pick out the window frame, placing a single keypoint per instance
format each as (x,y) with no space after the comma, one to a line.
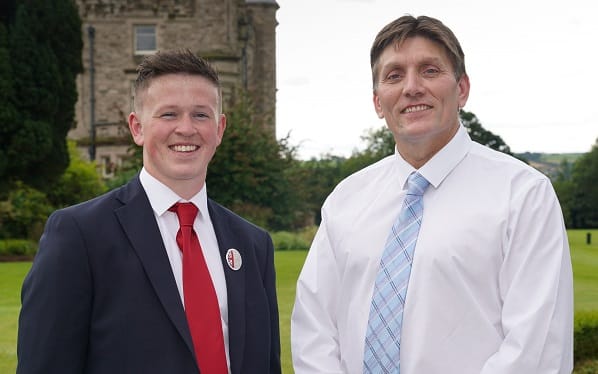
(137,34)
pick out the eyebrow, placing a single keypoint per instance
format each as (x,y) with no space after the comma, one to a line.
(425,61)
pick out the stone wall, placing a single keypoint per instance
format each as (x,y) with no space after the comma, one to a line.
(214,29)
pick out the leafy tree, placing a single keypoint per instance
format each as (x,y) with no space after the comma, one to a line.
(328,171)
(78,183)
(44,48)
(563,186)
(313,181)
(479,134)
(583,192)
(248,171)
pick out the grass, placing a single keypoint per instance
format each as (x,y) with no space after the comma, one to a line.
(288,264)
(11,277)
(585,269)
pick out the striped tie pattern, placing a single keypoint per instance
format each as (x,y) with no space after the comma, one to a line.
(383,337)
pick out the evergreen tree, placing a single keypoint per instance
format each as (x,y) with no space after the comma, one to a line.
(44,47)
(8,113)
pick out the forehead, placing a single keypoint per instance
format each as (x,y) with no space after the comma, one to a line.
(170,87)
(182,80)
(416,50)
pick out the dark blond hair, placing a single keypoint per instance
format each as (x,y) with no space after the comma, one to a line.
(408,27)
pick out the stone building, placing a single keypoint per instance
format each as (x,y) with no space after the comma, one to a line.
(236,36)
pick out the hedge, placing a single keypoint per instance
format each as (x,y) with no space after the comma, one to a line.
(585,339)
(17,248)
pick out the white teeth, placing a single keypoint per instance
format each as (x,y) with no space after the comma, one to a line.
(415,108)
(184,148)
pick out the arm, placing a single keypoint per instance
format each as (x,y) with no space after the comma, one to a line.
(314,336)
(56,302)
(537,289)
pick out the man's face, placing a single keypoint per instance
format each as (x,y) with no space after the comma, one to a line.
(179,125)
(418,95)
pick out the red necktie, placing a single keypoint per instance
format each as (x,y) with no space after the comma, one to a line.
(201,303)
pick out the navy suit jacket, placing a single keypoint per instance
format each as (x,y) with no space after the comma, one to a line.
(101,296)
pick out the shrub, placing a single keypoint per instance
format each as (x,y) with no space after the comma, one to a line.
(17,247)
(586,367)
(585,339)
(78,183)
(284,240)
(24,213)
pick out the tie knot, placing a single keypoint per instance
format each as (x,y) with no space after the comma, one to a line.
(416,184)
(186,213)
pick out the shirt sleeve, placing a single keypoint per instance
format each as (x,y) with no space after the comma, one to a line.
(314,334)
(536,286)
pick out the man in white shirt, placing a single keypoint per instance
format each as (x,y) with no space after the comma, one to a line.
(490,286)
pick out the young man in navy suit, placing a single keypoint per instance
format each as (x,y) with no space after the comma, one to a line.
(105,293)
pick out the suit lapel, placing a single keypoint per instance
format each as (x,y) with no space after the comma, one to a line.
(137,219)
(235,283)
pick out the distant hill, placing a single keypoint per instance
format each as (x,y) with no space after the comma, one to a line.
(549,163)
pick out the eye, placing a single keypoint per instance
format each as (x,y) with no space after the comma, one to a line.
(431,71)
(393,76)
(200,115)
(168,115)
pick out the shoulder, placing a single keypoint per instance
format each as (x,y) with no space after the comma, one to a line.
(502,163)
(502,173)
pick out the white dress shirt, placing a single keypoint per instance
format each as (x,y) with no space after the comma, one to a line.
(161,199)
(491,284)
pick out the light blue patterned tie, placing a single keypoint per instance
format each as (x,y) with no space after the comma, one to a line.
(383,337)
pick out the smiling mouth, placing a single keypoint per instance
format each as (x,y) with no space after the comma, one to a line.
(184,148)
(416,108)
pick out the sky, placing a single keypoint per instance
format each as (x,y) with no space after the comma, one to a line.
(532,64)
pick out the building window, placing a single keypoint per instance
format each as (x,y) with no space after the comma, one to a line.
(145,39)
(107,166)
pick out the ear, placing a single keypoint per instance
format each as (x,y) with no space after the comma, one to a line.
(221,127)
(136,128)
(377,106)
(463,87)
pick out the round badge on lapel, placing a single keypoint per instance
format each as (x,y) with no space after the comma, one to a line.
(233,259)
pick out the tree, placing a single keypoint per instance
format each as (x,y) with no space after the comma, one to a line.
(584,194)
(78,183)
(313,181)
(8,112)
(563,186)
(320,176)
(380,142)
(44,45)
(479,134)
(249,170)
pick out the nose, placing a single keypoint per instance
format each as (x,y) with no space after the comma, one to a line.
(412,84)
(185,126)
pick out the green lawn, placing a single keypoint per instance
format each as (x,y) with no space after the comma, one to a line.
(288,265)
(585,269)
(11,277)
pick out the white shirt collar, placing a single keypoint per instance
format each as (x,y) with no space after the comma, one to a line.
(442,163)
(161,197)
